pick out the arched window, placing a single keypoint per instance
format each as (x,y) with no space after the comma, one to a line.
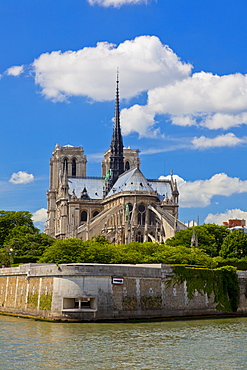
(84,216)
(95,213)
(139,237)
(73,167)
(141,214)
(127,166)
(65,165)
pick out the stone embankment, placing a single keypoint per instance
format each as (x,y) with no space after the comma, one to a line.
(97,292)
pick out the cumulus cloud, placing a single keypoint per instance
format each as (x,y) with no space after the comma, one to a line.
(144,64)
(138,119)
(40,215)
(21,177)
(229,140)
(203,99)
(199,193)
(219,218)
(15,71)
(116,3)
(39,218)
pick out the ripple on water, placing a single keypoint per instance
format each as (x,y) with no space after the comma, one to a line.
(181,345)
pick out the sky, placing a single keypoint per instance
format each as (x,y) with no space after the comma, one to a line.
(183,88)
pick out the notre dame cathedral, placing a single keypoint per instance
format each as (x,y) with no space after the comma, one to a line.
(122,204)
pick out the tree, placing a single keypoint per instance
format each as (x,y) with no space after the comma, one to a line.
(98,250)
(234,245)
(63,251)
(12,219)
(29,244)
(210,238)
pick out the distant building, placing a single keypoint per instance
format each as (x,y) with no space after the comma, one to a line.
(122,204)
(234,223)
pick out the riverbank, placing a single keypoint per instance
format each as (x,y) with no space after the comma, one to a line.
(105,293)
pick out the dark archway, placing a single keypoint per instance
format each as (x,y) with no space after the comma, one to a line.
(74,168)
(127,166)
(84,216)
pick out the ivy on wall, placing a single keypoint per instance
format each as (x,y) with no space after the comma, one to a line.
(33,300)
(45,302)
(222,282)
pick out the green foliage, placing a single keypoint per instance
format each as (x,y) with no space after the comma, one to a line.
(32,300)
(4,258)
(63,251)
(45,302)
(99,250)
(20,240)
(240,264)
(182,255)
(11,219)
(234,245)
(30,244)
(210,238)
(222,282)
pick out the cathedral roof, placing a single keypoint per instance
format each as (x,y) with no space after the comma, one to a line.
(162,187)
(93,186)
(132,180)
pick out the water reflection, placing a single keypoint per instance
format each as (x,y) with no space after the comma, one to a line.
(208,344)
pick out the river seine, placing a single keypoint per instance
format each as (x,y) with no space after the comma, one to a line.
(199,344)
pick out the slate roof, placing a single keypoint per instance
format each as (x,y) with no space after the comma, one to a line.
(163,188)
(94,186)
(132,180)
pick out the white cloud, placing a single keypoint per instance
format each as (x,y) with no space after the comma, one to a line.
(21,177)
(229,140)
(199,193)
(144,63)
(15,71)
(224,121)
(116,3)
(39,218)
(40,215)
(203,99)
(219,218)
(138,119)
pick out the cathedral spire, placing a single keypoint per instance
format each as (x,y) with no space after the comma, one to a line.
(116,157)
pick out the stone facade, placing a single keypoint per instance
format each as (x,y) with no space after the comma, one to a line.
(97,292)
(122,204)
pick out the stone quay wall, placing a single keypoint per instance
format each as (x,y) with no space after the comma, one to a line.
(97,292)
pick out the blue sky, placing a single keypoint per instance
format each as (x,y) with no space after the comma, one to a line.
(183,88)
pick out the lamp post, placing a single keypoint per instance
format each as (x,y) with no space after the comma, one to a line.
(11,254)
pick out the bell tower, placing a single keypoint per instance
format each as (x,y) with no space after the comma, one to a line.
(66,161)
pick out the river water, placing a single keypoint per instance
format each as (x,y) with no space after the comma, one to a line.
(199,344)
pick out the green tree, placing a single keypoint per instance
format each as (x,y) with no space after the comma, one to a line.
(98,250)
(12,219)
(63,251)
(210,238)
(29,244)
(234,245)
